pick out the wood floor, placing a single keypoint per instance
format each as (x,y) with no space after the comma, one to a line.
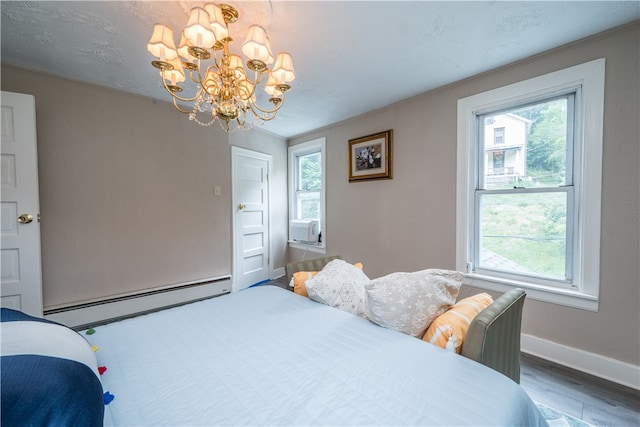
(591,399)
(594,400)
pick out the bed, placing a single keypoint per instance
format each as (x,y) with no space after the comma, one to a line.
(265,356)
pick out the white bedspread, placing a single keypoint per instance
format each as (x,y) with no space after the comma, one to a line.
(265,356)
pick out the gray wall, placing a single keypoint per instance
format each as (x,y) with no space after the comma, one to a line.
(126,190)
(408,223)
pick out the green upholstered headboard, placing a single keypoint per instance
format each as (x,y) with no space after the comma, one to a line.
(493,338)
(310,265)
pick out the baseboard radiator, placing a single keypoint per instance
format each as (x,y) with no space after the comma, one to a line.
(110,309)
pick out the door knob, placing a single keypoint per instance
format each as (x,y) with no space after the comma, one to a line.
(25,218)
(241,206)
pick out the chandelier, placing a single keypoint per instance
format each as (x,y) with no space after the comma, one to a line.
(225,91)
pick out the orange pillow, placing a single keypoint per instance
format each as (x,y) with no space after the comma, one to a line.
(300,277)
(455,322)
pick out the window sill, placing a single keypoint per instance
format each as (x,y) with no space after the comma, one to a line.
(537,292)
(311,247)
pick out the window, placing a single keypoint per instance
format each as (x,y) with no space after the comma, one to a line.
(528,211)
(498,160)
(307,186)
(523,219)
(498,135)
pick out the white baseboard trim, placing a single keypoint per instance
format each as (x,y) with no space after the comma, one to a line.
(95,313)
(277,273)
(591,363)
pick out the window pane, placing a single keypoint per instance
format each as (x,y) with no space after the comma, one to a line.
(498,136)
(308,205)
(309,172)
(524,233)
(527,146)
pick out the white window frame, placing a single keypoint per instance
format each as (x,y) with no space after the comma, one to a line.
(589,77)
(305,148)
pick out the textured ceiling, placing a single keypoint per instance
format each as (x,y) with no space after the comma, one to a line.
(350,57)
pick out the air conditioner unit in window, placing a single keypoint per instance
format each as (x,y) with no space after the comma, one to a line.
(304,230)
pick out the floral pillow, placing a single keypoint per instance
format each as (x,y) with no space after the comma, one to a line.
(300,278)
(339,284)
(408,302)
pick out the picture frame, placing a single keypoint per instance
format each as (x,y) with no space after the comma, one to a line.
(370,157)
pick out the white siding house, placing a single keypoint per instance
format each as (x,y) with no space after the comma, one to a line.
(505,147)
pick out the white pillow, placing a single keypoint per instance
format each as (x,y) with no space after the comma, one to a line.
(341,285)
(409,302)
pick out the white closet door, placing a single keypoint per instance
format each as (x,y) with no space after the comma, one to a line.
(21,278)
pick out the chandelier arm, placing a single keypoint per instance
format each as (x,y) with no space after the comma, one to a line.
(253,86)
(257,79)
(199,67)
(175,104)
(273,110)
(264,110)
(191,75)
(265,117)
(202,81)
(214,57)
(173,94)
(199,79)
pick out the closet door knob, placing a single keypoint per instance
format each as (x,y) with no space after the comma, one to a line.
(25,219)
(241,206)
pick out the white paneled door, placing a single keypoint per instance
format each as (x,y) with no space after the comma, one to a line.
(251,217)
(21,278)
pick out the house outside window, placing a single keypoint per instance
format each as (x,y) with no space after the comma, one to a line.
(529,179)
(307,187)
(505,158)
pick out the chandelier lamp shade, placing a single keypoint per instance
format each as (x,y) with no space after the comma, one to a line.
(224,90)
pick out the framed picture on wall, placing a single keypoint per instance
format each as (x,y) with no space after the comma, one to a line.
(370,157)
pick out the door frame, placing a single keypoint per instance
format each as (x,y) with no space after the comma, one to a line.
(235,151)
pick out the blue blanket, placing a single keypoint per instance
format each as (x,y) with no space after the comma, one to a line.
(48,374)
